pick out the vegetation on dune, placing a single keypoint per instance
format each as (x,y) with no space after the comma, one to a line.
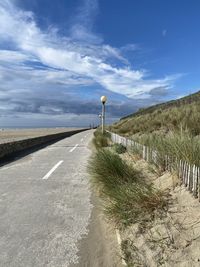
(172,128)
(101,140)
(178,145)
(192,98)
(162,119)
(119,148)
(135,202)
(109,169)
(129,198)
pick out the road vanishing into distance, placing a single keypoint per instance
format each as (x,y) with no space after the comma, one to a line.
(47,214)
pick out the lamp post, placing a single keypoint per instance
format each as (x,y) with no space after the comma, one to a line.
(100,118)
(103,101)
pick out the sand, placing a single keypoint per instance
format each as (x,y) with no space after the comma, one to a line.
(172,240)
(10,135)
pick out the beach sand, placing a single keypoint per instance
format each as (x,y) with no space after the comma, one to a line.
(10,135)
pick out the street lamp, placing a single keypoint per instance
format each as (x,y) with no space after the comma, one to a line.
(103,101)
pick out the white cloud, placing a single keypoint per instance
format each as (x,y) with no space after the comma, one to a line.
(13,56)
(87,60)
(130,47)
(82,23)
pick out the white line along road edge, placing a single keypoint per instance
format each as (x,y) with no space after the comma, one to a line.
(52,170)
(71,150)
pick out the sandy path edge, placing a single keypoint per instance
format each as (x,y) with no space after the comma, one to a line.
(100,247)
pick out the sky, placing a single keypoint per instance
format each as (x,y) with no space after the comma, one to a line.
(57,58)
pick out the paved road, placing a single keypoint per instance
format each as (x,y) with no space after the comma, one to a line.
(45,205)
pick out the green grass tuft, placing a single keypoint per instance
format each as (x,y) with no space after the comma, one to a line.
(119,148)
(129,198)
(110,170)
(101,140)
(135,203)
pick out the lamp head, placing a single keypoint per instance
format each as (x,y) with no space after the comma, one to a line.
(103,99)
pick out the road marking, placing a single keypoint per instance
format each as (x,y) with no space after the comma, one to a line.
(71,150)
(119,242)
(82,140)
(52,170)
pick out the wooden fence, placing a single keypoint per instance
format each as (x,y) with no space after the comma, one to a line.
(189,174)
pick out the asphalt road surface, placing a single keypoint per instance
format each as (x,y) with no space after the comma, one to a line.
(46,211)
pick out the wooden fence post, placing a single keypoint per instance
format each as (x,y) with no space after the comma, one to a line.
(198,182)
(194,187)
(143,152)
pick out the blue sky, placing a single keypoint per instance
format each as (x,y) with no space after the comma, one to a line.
(58,57)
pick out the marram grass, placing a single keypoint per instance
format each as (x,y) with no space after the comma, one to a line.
(101,140)
(128,197)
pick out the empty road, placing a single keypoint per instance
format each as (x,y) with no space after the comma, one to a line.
(46,211)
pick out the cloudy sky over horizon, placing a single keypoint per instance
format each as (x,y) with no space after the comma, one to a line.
(58,57)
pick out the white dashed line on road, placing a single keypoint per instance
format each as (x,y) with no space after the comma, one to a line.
(82,140)
(71,150)
(52,170)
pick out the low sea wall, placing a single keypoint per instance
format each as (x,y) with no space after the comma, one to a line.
(11,148)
